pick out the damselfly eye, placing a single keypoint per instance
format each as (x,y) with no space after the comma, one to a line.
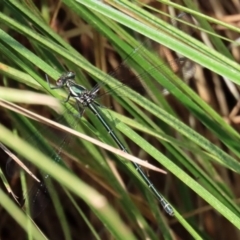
(71,75)
(59,82)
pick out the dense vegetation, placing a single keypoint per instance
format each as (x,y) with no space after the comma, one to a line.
(176,107)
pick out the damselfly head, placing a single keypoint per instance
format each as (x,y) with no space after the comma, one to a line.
(70,75)
(65,77)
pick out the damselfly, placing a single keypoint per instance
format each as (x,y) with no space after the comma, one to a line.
(86,99)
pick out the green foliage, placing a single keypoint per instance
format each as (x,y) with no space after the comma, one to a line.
(152,117)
